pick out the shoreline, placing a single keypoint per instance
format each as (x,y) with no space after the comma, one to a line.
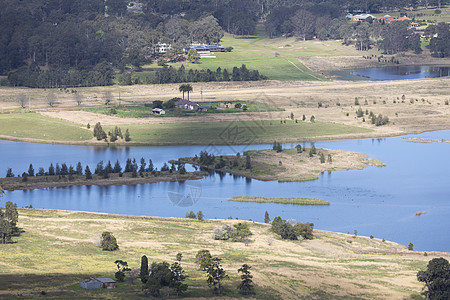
(287,165)
(269,141)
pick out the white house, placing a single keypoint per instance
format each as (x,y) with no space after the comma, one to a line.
(158,111)
(162,48)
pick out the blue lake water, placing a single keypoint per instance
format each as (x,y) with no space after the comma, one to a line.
(375,201)
(393,73)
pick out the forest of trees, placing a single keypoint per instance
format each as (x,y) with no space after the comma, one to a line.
(54,43)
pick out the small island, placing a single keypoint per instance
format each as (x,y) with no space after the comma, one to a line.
(294,201)
(426,141)
(284,165)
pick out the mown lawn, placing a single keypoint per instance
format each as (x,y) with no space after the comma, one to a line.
(276,58)
(35,126)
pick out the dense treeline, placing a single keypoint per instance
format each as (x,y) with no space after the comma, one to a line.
(324,18)
(54,43)
(101,169)
(172,75)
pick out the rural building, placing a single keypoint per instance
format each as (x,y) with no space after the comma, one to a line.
(162,48)
(361,17)
(226,104)
(107,283)
(158,111)
(91,283)
(388,19)
(186,104)
(98,283)
(206,49)
(404,18)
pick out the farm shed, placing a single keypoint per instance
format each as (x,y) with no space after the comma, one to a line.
(98,283)
(107,283)
(91,283)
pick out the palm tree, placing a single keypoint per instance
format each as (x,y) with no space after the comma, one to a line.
(185,88)
(189,89)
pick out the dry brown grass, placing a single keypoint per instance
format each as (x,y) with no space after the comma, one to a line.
(337,98)
(333,265)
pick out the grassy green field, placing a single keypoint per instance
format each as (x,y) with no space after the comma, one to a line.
(146,111)
(295,201)
(35,126)
(238,132)
(59,248)
(276,58)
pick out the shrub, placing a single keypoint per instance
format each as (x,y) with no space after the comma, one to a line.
(109,242)
(224,232)
(305,230)
(284,229)
(242,232)
(191,215)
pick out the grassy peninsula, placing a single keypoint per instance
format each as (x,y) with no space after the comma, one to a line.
(287,165)
(59,248)
(127,178)
(294,201)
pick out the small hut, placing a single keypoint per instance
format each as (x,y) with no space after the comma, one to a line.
(107,283)
(98,283)
(91,283)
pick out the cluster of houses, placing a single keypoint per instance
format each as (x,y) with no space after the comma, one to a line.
(182,104)
(386,19)
(189,105)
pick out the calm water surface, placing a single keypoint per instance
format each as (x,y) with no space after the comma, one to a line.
(375,201)
(393,73)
